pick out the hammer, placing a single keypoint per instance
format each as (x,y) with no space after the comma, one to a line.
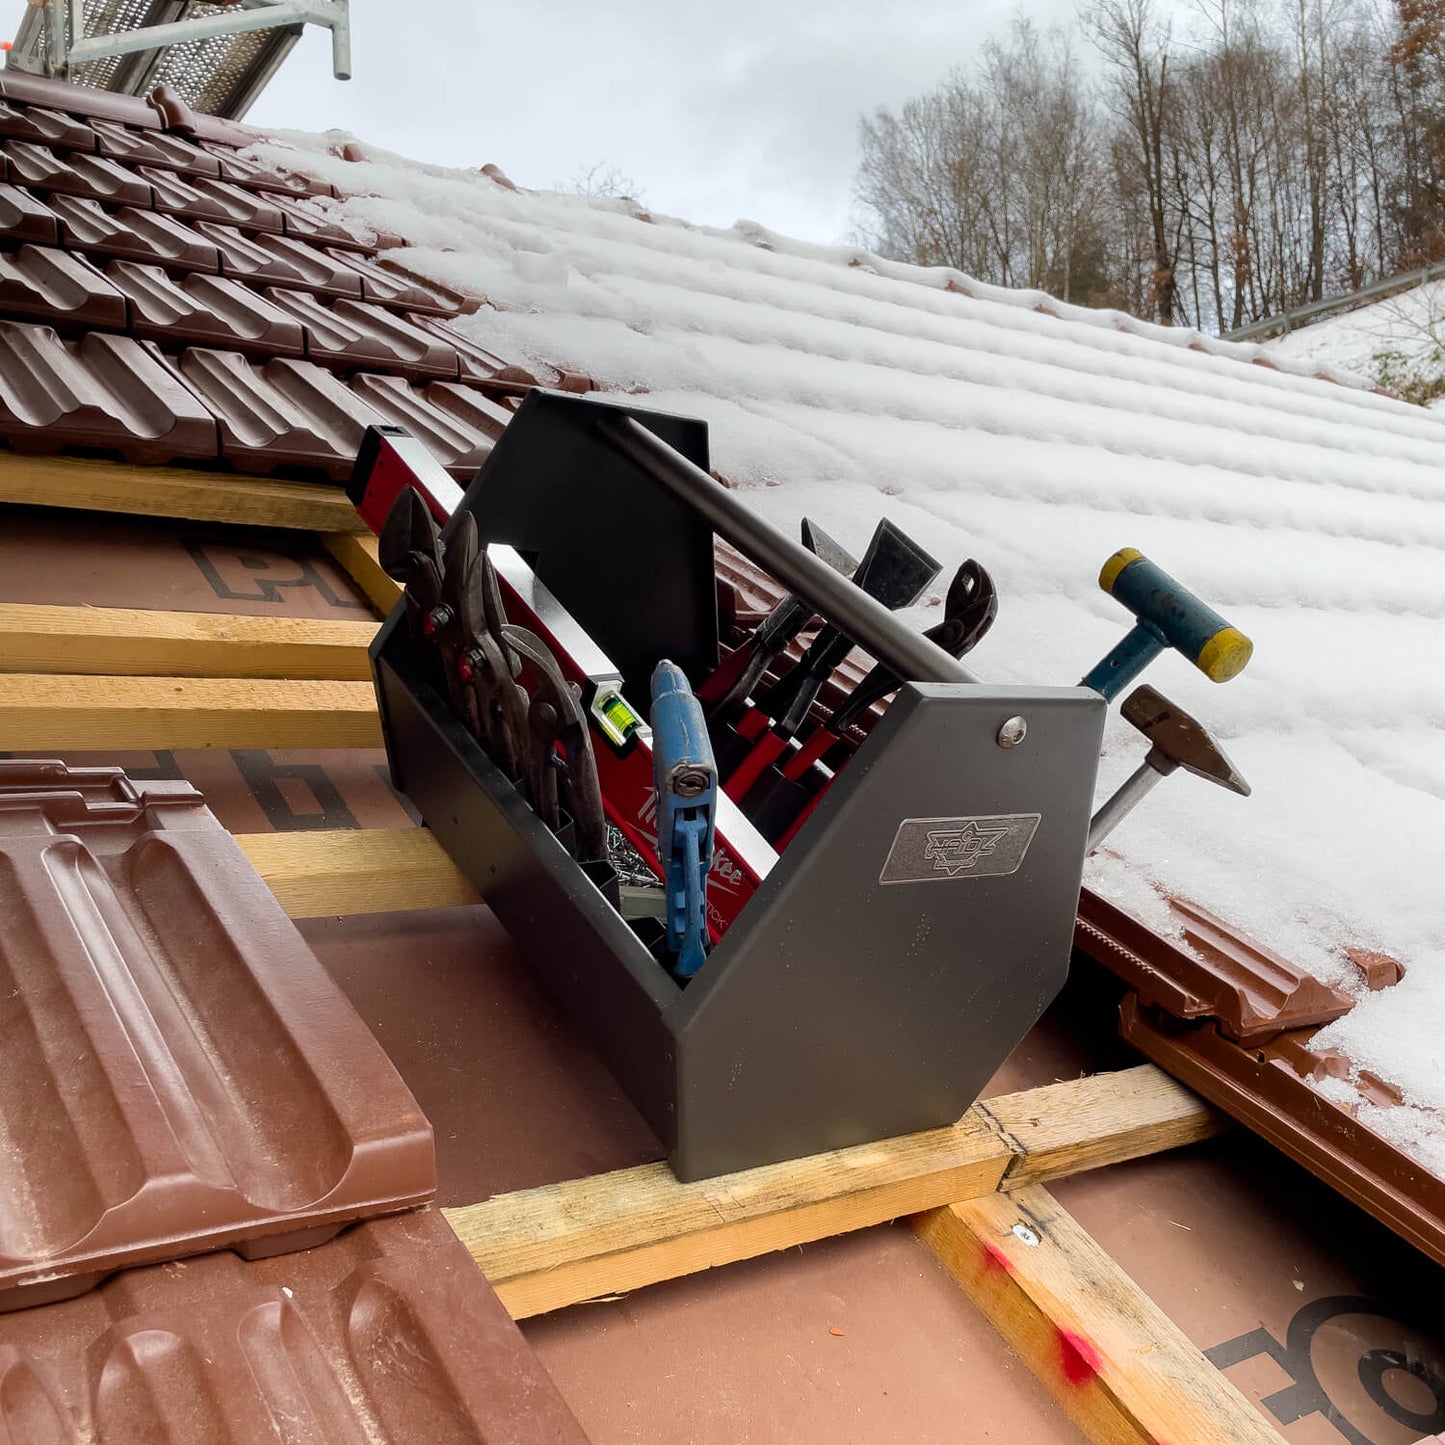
(1176,741)
(1168,616)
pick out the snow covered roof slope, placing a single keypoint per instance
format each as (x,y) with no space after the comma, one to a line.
(1040,438)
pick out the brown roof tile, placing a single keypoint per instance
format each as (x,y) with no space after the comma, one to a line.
(20,87)
(281,261)
(388,1334)
(308,220)
(103,391)
(257,178)
(152,148)
(179,1071)
(23,218)
(203,198)
(136,235)
(45,283)
(74,173)
(285,413)
(1217,973)
(41,126)
(355,335)
(204,310)
(455,440)
(391,287)
(475,409)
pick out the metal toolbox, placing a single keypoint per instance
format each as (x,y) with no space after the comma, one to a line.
(908,937)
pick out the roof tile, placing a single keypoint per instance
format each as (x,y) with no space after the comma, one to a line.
(23,218)
(353,335)
(388,1333)
(204,310)
(54,286)
(19,87)
(281,261)
(42,126)
(137,235)
(257,178)
(391,287)
(180,1073)
(477,363)
(103,391)
(74,174)
(285,413)
(308,220)
(152,148)
(455,438)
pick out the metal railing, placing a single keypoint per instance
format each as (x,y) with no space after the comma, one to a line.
(1285,321)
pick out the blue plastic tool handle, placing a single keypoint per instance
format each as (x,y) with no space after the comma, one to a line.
(1169,615)
(685,773)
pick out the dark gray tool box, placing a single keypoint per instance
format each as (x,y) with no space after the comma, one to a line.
(905,941)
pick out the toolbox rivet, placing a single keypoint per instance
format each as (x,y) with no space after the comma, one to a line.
(1012,733)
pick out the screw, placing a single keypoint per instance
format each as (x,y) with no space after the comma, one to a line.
(690,783)
(1012,733)
(1025,1235)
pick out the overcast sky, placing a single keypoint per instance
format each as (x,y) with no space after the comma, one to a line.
(719,113)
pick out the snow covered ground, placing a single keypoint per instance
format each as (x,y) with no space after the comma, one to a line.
(1398,342)
(1040,438)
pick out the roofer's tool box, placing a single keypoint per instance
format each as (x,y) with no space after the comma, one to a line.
(862,979)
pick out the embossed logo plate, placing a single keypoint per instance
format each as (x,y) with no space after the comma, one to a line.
(934,850)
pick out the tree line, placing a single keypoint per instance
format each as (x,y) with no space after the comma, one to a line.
(1208,172)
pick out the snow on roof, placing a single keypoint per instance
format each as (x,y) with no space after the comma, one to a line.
(1040,438)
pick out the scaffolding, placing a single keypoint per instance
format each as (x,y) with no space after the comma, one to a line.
(218,55)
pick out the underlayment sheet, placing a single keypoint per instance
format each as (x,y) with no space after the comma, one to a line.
(1313,1310)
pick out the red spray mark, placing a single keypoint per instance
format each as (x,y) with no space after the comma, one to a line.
(995,1259)
(1078,1359)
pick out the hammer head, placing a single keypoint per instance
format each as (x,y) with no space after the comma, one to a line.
(1177,740)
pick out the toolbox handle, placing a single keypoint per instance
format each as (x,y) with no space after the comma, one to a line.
(907,654)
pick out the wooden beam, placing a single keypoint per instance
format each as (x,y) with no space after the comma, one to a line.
(1124,1372)
(357,555)
(315,874)
(40,713)
(546,1248)
(101,486)
(381,870)
(129,642)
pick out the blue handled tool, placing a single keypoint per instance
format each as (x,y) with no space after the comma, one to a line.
(686,778)
(1168,616)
